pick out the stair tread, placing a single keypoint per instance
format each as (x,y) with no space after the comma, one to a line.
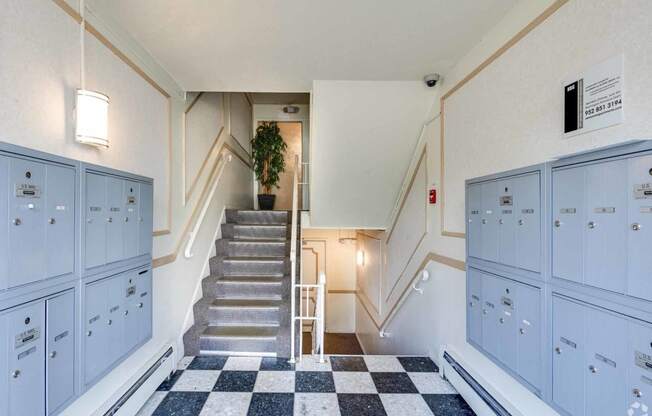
(261,259)
(256,241)
(246,303)
(261,279)
(240,331)
(262,224)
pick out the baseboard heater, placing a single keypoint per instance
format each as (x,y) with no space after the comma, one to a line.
(480,391)
(123,399)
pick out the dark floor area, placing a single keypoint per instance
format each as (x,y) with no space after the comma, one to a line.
(335,344)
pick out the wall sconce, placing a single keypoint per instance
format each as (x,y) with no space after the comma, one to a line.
(359,258)
(92,118)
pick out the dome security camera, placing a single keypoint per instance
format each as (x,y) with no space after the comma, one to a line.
(431,80)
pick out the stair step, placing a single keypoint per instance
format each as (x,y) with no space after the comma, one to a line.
(257,248)
(246,303)
(251,280)
(248,286)
(259,339)
(257,217)
(256,231)
(264,311)
(274,266)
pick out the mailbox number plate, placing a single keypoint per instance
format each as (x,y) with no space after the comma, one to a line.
(506,201)
(25,190)
(643,360)
(643,191)
(28,336)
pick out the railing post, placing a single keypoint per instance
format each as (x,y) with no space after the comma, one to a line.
(293,266)
(322,317)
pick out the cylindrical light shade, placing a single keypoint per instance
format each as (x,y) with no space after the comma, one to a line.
(92,124)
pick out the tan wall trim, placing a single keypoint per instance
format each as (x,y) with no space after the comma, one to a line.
(497,54)
(194,101)
(170,258)
(203,164)
(63,5)
(342,291)
(432,256)
(422,157)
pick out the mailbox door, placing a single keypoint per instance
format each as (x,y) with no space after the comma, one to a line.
(26,357)
(130,218)
(60,213)
(145,220)
(60,359)
(114,229)
(95,212)
(639,273)
(27,217)
(605,260)
(568,223)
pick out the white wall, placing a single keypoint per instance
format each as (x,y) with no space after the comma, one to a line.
(39,64)
(241,112)
(509,116)
(365,130)
(337,260)
(204,120)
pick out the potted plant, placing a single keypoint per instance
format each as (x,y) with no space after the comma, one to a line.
(267,149)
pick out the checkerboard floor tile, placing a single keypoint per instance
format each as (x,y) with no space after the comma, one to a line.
(341,386)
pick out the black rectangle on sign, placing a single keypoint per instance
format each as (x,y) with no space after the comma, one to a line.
(573,106)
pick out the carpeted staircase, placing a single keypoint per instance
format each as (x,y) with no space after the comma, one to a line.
(246,299)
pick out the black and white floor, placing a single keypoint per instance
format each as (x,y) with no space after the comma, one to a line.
(343,385)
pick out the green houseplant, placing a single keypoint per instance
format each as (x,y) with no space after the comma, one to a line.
(267,148)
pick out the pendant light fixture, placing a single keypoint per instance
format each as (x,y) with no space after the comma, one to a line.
(92,107)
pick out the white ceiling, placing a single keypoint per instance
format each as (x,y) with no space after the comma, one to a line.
(283,45)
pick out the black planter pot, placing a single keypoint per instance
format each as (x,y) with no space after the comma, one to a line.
(266,202)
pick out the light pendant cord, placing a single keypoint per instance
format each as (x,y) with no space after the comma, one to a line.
(82,30)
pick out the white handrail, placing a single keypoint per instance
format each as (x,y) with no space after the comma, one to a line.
(225,157)
(293,256)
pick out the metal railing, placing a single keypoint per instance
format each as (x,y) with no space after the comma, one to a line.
(224,157)
(304,313)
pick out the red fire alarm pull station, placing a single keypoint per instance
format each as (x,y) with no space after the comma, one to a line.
(432,196)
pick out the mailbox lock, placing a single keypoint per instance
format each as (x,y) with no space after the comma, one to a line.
(501,222)
(140,305)
(53,354)
(521,222)
(110,322)
(522,331)
(28,174)
(593,369)
(501,320)
(89,333)
(126,219)
(15,373)
(592,224)
(484,221)
(558,350)
(637,393)
(109,219)
(484,311)
(471,304)
(126,313)
(507,290)
(17,221)
(557,223)
(636,226)
(51,221)
(28,320)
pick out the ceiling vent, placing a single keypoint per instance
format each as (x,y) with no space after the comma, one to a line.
(291,109)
